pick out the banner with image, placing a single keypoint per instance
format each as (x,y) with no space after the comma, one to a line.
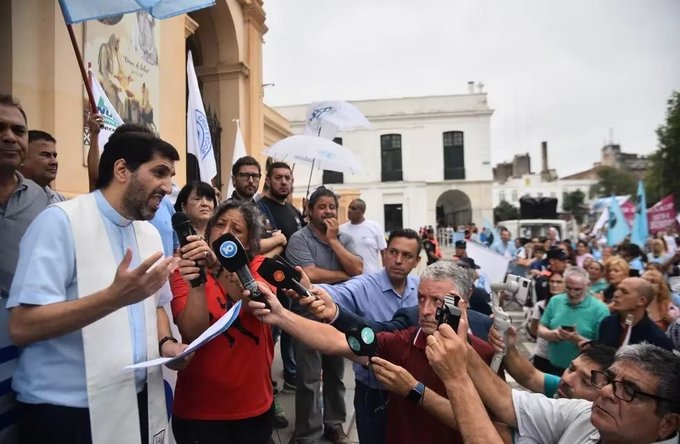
(124,53)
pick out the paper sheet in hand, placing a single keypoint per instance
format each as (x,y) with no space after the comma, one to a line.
(214,330)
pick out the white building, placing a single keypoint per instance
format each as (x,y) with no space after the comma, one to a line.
(423,159)
(533,185)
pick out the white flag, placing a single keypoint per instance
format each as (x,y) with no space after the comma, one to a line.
(239,151)
(198,132)
(111,119)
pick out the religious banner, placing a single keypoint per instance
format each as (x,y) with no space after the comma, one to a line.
(124,53)
(661,216)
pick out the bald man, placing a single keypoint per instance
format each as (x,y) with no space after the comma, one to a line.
(368,236)
(630,301)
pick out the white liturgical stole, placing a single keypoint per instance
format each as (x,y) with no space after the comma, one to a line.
(111,392)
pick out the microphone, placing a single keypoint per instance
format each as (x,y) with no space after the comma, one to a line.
(511,286)
(233,257)
(182,226)
(280,275)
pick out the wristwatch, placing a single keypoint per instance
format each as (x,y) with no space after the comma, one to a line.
(416,393)
(163,341)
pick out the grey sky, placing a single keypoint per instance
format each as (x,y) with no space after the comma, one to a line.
(561,71)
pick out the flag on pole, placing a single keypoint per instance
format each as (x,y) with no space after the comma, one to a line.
(617,227)
(111,119)
(239,151)
(199,142)
(76,11)
(640,224)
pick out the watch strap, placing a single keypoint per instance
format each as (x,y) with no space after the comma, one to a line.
(416,393)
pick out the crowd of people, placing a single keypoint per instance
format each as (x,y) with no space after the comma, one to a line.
(86,283)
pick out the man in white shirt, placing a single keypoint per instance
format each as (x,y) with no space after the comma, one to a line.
(369,238)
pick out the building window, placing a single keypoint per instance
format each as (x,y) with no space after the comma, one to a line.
(553,194)
(540,194)
(394,219)
(331,177)
(454,155)
(390,151)
(514,196)
(501,196)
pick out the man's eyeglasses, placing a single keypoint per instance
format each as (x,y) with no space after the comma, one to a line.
(574,289)
(622,389)
(254,176)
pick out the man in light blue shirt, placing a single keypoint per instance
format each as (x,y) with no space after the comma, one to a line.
(376,297)
(505,247)
(48,314)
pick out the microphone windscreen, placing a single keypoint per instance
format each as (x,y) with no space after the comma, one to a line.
(179,219)
(230,252)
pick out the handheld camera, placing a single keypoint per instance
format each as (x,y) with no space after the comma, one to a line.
(449,312)
(524,288)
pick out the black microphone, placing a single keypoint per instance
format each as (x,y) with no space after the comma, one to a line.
(233,257)
(281,275)
(182,226)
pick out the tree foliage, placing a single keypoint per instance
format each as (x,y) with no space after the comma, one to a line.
(574,203)
(505,211)
(663,176)
(613,181)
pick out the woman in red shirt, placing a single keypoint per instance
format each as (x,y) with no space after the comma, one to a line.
(225,394)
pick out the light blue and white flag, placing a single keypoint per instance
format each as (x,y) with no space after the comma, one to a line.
(640,224)
(617,226)
(76,11)
(199,142)
(111,119)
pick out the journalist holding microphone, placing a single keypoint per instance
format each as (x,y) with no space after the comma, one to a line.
(225,394)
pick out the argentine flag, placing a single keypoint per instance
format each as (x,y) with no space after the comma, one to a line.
(640,225)
(76,11)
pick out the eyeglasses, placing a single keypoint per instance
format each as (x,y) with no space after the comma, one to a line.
(622,389)
(574,289)
(247,176)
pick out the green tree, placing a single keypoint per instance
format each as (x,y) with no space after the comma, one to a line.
(663,176)
(613,181)
(505,211)
(574,203)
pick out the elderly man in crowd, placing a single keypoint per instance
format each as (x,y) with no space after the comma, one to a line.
(571,318)
(630,324)
(638,400)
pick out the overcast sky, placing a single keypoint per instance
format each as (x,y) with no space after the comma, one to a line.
(561,71)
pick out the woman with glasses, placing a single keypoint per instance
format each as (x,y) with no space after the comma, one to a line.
(198,201)
(541,359)
(225,394)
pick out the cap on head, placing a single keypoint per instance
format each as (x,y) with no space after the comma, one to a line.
(557,253)
(468,262)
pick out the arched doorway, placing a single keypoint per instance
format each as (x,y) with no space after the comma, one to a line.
(453,208)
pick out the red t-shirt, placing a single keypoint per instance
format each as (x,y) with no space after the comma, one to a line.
(407,422)
(229,378)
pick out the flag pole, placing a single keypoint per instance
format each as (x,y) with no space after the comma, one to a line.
(81,65)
